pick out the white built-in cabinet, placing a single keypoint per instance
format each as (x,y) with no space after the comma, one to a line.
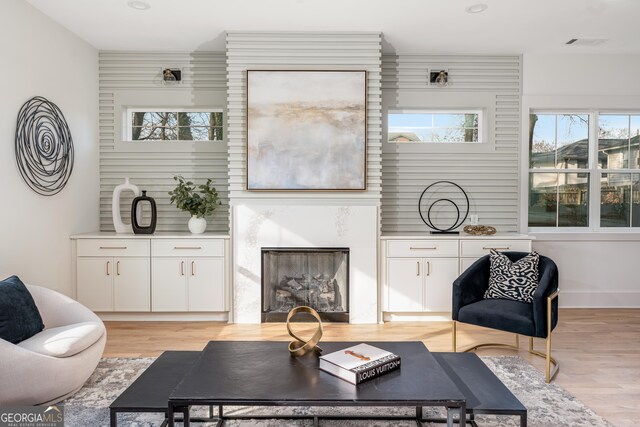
(158,273)
(418,272)
(184,272)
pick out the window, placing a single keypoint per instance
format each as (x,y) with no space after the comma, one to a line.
(618,153)
(174,125)
(435,126)
(565,159)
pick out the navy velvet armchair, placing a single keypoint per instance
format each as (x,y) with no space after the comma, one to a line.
(535,320)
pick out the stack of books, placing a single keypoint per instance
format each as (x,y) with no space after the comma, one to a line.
(360,363)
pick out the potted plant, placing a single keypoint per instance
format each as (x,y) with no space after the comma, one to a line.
(199,200)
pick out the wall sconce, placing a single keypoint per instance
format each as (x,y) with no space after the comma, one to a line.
(171,75)
(439,78)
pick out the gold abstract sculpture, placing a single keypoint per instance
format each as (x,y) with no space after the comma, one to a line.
(299,346)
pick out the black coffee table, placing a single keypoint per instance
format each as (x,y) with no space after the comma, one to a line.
(230,373)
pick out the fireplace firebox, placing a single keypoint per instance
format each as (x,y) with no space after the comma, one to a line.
(315,277)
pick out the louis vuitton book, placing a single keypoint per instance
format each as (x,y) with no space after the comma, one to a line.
(359,363)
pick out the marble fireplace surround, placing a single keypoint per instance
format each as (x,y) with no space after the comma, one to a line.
(293,225)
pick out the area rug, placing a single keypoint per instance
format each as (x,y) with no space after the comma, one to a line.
(548,404)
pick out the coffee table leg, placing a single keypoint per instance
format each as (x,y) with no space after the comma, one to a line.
(463,415)
(419,413)
(187,417)
(316,422)
(113,418)
(449,417)
(170,416)
(523,420)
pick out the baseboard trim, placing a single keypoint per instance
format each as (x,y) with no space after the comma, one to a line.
(415,317)
(572,299)
(164,317)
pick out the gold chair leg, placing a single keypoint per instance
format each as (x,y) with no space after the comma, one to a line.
(453,336)
(549,360)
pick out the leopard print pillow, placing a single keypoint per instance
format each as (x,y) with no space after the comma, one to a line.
(516,281)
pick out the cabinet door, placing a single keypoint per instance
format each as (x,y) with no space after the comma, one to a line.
(169,284)
(206,284)
(405,285)
(440,274)
(131,284)
(95,283)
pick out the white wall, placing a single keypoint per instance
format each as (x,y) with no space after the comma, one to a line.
(596,269)
(39,57)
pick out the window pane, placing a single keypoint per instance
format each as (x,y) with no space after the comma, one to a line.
(634,159)
(172,126)
(573,200)
(572,141)
(200,133)
(613,141)
(216,134)
(433,127)
(543,199)
(185,133)
(635,207)
(542,143)
(615,193)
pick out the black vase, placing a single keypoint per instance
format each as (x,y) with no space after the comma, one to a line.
(137,228)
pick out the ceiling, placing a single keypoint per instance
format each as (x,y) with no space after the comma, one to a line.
(409,26)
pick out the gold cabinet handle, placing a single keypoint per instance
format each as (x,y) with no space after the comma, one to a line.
(193,268)
(113,247)
(108,272)
(486,248)
(424,248)
(182,268)
(117,268)
(188,247)
(428,268)
(417,268)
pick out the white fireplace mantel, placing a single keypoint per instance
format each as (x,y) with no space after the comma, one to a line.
(258,225)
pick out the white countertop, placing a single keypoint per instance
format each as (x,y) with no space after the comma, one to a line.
(158,235)
(462,235)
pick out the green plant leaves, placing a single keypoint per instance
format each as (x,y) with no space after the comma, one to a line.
(200,200)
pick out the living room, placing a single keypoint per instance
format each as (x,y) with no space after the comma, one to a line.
(346,144)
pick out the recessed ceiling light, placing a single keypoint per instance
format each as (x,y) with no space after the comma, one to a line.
(139,5)
(476,8)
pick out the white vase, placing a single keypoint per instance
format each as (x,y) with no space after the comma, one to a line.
(118,225)
(197,225)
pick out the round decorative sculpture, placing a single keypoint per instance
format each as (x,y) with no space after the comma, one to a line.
(432,199)
(300,347)
(479,230)
(44,147)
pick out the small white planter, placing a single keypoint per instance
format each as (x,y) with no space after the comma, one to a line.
(197,225)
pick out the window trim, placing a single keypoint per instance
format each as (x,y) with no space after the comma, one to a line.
(128,124)
(594,172)
(482,136)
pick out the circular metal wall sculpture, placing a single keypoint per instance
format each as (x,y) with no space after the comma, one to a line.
(432,199)
(44,147)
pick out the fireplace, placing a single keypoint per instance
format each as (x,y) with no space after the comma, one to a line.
(315,277)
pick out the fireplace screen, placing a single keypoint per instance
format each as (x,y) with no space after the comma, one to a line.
(315,277)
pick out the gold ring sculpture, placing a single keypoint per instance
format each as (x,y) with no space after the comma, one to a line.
(299,346)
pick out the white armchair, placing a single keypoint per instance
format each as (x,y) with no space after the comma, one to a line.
(56,362)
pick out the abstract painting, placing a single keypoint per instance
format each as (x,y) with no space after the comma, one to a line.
(306,130)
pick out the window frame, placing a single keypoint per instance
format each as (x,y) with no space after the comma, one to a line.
(128,124)
(594,173)
(482,136)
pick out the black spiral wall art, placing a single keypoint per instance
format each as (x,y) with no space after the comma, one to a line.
(44,147)
(431,197)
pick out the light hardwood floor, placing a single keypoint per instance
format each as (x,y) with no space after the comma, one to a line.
(598,349)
